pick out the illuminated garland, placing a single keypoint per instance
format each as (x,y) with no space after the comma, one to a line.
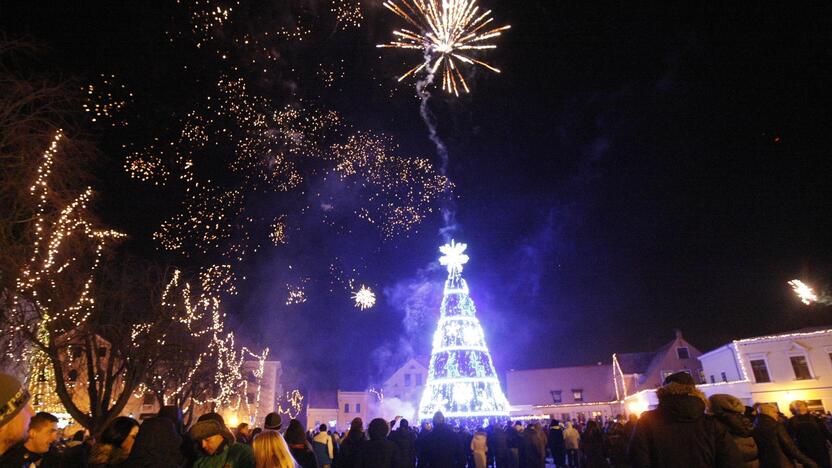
(462,381)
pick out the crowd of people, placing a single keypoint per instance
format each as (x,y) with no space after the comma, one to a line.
(685,430)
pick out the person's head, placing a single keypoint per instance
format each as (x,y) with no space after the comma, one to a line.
(678,385)
(271,451)
(798,408)
(273,422)
(725,403)
(438,418)
(518,426)
(295,433)
(15,412)
(243,429)
(157,444)
(212,416)
(174,414)
(427,426)
(767,409)
(378,429)
(322,428)
(210,435)
(43,432)
(403,424)
(357,426)
(121,433)
(554,423)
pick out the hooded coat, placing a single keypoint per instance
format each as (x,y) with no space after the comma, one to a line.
(679,434)
(156,446)
(777,450)
(405,440)
(730,411)
(571,437)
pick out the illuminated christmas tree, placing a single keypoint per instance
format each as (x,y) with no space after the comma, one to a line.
(462,381)
(42,377)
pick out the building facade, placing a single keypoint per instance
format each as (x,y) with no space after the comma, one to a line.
(774,369)
(603,390)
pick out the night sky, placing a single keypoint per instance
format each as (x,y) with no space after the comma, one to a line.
(634,169)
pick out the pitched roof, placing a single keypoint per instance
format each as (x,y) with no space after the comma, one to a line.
(635,363)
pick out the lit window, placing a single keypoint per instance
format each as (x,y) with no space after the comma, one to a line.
(578,394)
(683,352)
(801,367)
(418,380)
(346,407)
(407,380)
(358,407)
(556,396)
(758,366)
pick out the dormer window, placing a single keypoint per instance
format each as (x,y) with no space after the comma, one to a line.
(683,352)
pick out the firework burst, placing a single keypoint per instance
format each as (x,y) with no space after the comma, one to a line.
(447,31)
(364,298)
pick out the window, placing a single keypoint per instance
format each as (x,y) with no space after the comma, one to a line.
(407,380)
(418,380)
(102,351)
(578,394)
(556,396)
(713,380)
(683,352)
(724,377)
(358,407)
(346,407)
(815,406)
(701,376)
(758,366)
(72,375)
(801,367)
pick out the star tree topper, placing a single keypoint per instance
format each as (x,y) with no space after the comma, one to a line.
(453,257)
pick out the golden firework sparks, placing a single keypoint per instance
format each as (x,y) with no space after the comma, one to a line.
(446,32)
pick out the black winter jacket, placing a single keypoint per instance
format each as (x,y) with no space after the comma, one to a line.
(405,440)
(678,434)
(378,454)
(810,435)
(777,450)
(442,448)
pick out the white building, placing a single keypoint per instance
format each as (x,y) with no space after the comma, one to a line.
(403,390)
(337,408)
(774,369)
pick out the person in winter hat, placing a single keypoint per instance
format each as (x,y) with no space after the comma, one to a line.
(730,411)
(15,412)
(323,447)
(571,443)
(272,422)
(810,434)
(299,446)
(775,447)
(678,433)
(218,446)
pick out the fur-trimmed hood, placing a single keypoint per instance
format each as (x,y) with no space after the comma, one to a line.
(681,402)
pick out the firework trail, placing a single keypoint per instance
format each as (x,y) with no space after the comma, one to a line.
(448,207)
(807,294)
